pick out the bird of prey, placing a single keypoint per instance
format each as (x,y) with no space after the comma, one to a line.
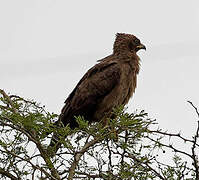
(108,84)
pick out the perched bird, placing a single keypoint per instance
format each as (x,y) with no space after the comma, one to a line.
(108,84)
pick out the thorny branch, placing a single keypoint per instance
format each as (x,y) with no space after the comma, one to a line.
(170,146)
(78,155)
(173,135)
(196,136)
(7,174)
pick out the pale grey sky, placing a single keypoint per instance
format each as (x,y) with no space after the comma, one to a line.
(47,45)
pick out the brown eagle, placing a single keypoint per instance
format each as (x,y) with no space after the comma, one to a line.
(106,85)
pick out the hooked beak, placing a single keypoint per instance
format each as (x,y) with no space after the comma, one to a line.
(141,46)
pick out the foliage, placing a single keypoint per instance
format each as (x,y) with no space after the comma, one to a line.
(131,146)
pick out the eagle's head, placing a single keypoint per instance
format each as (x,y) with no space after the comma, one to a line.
(127,43)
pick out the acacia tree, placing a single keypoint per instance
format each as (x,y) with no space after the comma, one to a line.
(127,148)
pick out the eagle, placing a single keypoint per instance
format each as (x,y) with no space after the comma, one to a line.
(108,84)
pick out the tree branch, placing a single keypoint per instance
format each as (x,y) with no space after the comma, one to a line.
(178,135)
(7,174)
(78,155)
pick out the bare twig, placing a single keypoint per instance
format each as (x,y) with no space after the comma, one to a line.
(109,157)
(178,135)
(196,109)
(7,174)
(171,147)
(194,157)
(78,155)
(152,169)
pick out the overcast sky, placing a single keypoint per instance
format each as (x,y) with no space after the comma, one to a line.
(47,45)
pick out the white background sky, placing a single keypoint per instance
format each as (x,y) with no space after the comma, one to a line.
(47,45)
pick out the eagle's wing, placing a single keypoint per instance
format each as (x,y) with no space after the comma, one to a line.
(90,91)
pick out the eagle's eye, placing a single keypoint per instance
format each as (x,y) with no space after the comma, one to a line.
(137,41)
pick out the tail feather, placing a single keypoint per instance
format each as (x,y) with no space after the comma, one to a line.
(65,119)
(55,141)
(54,145)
